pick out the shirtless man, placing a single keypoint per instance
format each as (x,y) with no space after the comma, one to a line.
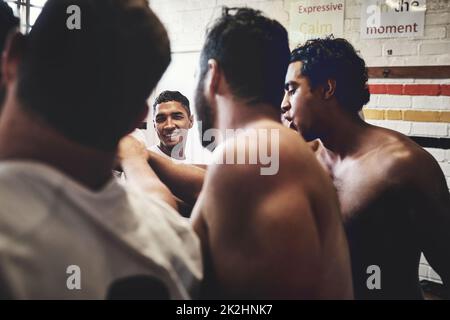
(394,199)
(264,236)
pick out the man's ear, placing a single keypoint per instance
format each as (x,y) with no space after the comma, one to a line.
(329,89)
(12,56)
(191,121)
(212,81)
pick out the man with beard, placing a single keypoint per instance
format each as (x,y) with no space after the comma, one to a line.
(393,195)
(264,236)
(7,23)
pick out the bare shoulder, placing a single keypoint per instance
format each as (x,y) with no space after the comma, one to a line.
(264,151)
(282,159)
(404,162)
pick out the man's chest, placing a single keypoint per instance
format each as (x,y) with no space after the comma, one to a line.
(358,186)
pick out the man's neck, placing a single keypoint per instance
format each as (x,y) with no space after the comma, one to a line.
(25,137)
(180,153)
(344,135)
(237,115)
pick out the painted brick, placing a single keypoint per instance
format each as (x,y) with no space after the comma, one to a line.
(429,129)
(377,89)
(389,124)
(399,47)
(373,114)
(393,81)
(438,154)
(413,115)
(447,155)
(431,103)
(434,276)
(424,89)
(437,18)
(373,102)
(444,116)
(423,271)
(443,59)
(368,53)
(434,32)
(391,101)
(394,89)
(404,127)
(393,115)
(445,166)
(434,48)
(352,12)
(445,90)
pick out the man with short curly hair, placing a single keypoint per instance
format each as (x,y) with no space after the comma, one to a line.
(392,193)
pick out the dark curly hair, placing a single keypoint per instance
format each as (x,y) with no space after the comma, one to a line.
(177,96)
(330,58)
(253,52)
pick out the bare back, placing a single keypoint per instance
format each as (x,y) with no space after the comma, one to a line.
(272,236)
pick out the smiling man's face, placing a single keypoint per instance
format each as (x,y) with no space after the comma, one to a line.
(171,121)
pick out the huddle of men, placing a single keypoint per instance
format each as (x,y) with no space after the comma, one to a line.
(347,197)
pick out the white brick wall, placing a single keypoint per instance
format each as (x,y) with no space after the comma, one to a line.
(443,158)
(431,103)
(394,102)
(187,19)
(429,129)
(426,272)
(406,102)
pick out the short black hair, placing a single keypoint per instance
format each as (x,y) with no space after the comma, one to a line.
(92,84)
(253,52)
(167,96)
(330,58)
(7,23)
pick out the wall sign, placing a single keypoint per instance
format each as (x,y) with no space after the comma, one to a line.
(392,18)
(316,18)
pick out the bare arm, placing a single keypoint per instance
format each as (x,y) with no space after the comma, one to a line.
(133,158)
(185,181)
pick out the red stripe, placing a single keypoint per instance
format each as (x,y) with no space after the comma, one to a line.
(394,89)
(411,89)
(445,90)
(377,89)
(422,89)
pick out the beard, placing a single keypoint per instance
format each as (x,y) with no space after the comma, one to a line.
(204,113)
